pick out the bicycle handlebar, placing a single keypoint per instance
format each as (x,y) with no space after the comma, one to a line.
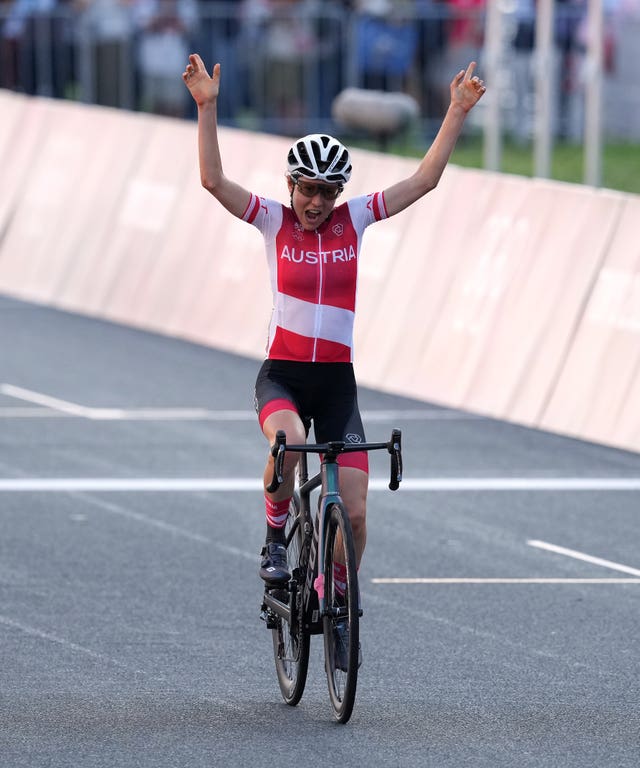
(332,449)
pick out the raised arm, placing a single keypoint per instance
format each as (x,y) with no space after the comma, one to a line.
(465,91)
(204,90)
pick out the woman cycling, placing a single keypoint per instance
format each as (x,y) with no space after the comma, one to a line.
(312,249)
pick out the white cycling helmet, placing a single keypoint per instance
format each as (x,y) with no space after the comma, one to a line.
(320,157)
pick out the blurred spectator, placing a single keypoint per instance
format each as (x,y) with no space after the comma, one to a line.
(106,29)
(16,47)
(387,42)
(610,10)
(216,39)
(283,49)
(332,48)
(432,44)
(521,113)
(568,18)
(8,74)
(164,29)
(36,47)
(466,30)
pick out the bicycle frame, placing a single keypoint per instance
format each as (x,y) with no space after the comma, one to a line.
(327,479)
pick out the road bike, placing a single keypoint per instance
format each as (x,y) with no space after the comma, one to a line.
(322,596)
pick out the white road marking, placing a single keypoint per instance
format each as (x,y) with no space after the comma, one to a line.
(109,484)
(521,484)
(239,484)
(30,413)
(584,557)
(501,581)
(67,644)
(139,517)
(68,408)
(540,545)
(71,409)
(53,406)
(174,530)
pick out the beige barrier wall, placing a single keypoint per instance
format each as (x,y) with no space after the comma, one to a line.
(510,297)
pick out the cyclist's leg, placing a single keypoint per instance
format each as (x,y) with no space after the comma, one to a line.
(273,567)
(277,408)
(354,483)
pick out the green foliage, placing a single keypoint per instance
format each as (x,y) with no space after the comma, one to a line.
(620,162)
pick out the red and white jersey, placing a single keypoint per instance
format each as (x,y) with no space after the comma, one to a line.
(313,277)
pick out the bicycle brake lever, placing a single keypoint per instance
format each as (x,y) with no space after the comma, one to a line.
(277,451)
(395,450)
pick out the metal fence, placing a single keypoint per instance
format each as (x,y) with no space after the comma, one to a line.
(284,62)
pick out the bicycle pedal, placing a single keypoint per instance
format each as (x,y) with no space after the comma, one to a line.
(269,619)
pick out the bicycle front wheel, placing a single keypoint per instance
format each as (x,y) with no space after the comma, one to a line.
(291,640)
(341,620)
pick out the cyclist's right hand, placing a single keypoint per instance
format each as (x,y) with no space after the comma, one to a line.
(203,88)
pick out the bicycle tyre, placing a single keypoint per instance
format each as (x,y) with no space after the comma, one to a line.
(291,643)
(342,675)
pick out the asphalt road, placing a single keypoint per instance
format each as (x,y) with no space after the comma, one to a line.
(501,584)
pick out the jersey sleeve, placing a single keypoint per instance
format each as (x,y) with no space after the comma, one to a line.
(367,209)
(264,214)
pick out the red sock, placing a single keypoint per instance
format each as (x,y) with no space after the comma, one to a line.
(340,578)
(277,512)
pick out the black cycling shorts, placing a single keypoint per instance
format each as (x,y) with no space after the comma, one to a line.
(324,394)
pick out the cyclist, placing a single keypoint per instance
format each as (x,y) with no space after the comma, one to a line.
(312,250)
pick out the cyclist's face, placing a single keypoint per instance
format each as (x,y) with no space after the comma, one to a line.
(313,201)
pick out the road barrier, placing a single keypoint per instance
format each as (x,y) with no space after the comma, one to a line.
(505,296)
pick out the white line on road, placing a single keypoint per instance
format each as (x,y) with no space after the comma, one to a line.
(521,484)
(162,525)
(53,406)
(30,413)
(502,581)
(134,484)
(67,644)
(238,484)
(117,509)
(54,403)
(584,557)
(539,545)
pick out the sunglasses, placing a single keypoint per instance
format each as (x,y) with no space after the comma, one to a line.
(307,189)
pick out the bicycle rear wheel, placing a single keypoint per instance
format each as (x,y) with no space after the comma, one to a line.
(290,640)
(341,620)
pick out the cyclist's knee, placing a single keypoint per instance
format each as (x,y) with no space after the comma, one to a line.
(286,420)
(353,488)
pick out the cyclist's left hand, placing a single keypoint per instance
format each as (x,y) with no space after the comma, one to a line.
(466,89)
